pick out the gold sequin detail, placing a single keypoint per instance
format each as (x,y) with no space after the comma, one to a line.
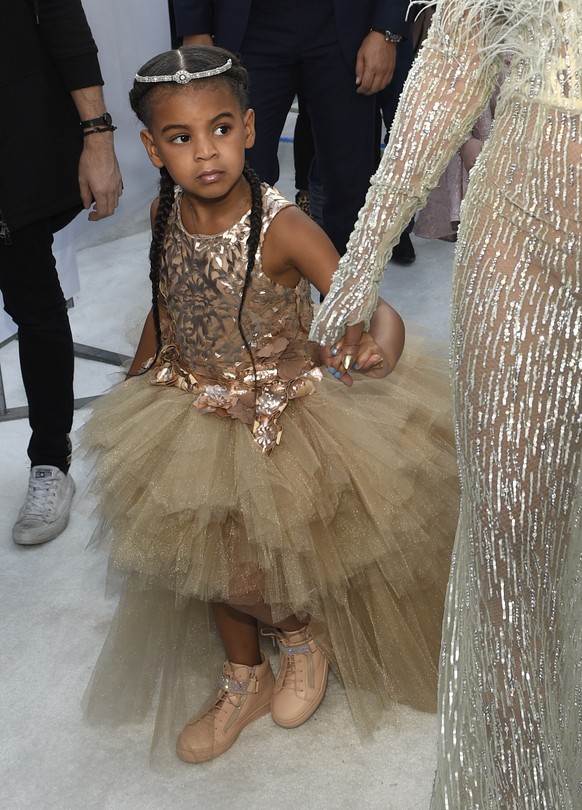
(204,352)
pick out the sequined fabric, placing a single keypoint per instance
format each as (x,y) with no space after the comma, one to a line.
(204,352)
(510,698)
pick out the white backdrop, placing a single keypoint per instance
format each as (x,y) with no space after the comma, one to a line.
(128,33)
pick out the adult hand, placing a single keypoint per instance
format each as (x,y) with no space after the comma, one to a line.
(340,358)
(375,63)
(100,180)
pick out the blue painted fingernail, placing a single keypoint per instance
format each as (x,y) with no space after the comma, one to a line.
(356,365)
(337,374)
(331,369)
(334,351)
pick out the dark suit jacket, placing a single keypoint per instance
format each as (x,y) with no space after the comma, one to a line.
(226,20)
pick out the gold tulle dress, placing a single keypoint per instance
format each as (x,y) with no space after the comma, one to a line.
(334,503)
(511,677)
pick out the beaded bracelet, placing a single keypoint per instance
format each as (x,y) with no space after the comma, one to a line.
(108,128)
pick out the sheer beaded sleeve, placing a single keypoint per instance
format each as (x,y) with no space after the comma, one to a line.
(448,87)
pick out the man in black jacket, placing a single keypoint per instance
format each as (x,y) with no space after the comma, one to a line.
(57,157)
(337,53)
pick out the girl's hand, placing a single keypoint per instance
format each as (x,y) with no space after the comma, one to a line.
(370,360)
(366,358)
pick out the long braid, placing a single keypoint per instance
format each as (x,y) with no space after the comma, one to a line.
(252,247)
(166,201)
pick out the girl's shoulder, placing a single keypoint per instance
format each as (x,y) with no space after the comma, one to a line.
(273,202)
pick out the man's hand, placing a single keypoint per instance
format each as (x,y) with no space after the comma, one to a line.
(100,181)
(198,39)
(99,176)
(375,63)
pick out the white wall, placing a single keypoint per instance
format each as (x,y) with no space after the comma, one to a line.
(128,33)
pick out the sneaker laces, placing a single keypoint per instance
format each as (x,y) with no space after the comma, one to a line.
(288,653)
(41,496)
(290,679)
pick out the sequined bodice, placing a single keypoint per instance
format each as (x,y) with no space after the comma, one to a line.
(207,350)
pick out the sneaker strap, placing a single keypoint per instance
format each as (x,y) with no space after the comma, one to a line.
(302,647)
(233,687)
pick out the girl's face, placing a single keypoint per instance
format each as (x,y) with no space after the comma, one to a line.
(199,133)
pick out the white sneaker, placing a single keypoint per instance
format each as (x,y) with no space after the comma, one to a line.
(45,512)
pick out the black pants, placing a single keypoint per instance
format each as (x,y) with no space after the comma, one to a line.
(292,48)
(34,299)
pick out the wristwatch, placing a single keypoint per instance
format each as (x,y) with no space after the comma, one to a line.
(389,36)
(104,120)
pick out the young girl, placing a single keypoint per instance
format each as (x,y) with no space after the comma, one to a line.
(236,476)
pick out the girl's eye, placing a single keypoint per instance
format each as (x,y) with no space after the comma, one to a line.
(181,139)
(223,129)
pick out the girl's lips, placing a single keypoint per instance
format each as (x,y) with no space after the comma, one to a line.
(210,176)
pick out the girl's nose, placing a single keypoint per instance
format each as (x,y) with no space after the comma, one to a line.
(205,149)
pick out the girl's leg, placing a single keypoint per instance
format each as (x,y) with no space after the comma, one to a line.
(302,678)
(238,633)
(262,612)
(244,694)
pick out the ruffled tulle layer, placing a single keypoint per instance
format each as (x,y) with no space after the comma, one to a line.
(350,521)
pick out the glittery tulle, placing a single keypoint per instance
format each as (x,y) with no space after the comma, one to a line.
(350,521)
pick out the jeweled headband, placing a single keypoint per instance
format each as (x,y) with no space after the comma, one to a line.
(183,76)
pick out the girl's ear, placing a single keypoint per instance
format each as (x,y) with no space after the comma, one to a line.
(249,122)
(148,142)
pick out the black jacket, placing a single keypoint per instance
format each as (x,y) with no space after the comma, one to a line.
(226,20)
(46,50)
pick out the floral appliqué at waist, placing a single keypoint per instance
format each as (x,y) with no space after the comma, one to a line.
(257,400)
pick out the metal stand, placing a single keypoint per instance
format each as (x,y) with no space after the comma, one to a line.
(86,353)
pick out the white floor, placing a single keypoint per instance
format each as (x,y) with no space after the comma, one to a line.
(54,616)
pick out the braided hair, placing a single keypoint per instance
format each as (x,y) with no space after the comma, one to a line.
(142,97)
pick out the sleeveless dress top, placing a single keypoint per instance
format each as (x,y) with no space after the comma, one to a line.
(206,352)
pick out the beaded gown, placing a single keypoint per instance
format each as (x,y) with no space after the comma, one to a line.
(331,503)
(510,713)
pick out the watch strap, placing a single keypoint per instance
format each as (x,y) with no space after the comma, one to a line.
(389,36)
(104,120)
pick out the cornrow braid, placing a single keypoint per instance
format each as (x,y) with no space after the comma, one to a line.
(166,201)
(252,247)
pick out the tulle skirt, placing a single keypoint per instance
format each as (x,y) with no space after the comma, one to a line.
(349,523)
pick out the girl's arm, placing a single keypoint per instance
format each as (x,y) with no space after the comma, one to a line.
(295,247)
(146,348)
(379,349)
(385,338)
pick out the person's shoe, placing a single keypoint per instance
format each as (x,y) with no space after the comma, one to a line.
(302,679)
(244,695)
(404,252)
(45,512)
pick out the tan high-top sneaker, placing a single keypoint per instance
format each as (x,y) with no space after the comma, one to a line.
(244,696)
(302,679)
